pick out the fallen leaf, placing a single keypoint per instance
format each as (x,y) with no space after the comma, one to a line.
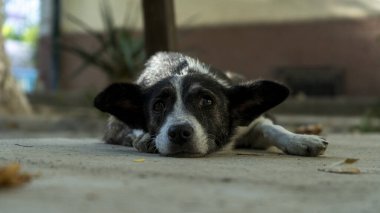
(347,170)
(343,167)
(350,160)
(312,129)
(139,160)
(12,125)
(344,162)
(10,176)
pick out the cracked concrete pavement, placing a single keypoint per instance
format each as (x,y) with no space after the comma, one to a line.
(85,175)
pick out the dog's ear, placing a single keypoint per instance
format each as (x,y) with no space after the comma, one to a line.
(250,100)
(125,102)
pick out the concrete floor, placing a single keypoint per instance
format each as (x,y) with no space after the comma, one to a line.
(85,175)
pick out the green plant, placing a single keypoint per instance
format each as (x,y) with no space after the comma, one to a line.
(120,54)
(370,122)
(28,34)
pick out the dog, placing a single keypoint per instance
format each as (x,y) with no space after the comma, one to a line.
(180,106)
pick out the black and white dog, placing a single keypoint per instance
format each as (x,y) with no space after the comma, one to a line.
(182,107)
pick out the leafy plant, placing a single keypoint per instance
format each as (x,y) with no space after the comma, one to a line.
(120,54)
(28,35)
(370,122)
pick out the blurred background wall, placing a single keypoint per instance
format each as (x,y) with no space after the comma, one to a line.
(319,48)
(327,51)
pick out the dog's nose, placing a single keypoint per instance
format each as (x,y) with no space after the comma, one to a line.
(180,134)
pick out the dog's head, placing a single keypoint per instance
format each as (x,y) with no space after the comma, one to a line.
(190,115)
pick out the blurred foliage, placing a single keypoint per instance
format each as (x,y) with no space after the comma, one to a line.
(121,53)
(370,122)
(29,35)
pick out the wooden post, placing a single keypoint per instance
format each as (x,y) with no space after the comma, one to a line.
(55,48)
(159,24)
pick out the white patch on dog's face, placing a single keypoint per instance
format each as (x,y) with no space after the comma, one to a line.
(178,116)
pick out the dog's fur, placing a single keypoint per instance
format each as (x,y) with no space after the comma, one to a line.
(182,107)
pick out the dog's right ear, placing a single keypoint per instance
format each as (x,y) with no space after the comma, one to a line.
(125,102)
(251,99)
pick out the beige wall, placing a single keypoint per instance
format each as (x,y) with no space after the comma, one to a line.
(89,12)
(215,12)
(254,50)
(209,12)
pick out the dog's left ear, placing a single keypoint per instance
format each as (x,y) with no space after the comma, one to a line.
(249,100)
(125,102)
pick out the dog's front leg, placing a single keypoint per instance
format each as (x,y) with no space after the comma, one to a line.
(144,143)
(267,134)
(119,133)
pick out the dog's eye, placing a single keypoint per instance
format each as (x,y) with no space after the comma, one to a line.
(205,102)
(159,106)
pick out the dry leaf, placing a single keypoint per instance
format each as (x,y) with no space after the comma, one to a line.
(350,160)
(346,170)
(139,160)
(312,129)
(343,167)
(10,176)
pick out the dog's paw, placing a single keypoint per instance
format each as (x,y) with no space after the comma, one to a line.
(305,145)
(144,143)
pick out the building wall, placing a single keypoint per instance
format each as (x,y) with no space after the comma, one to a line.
(195,13)
(251,37)
(125,13)
(258,50)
